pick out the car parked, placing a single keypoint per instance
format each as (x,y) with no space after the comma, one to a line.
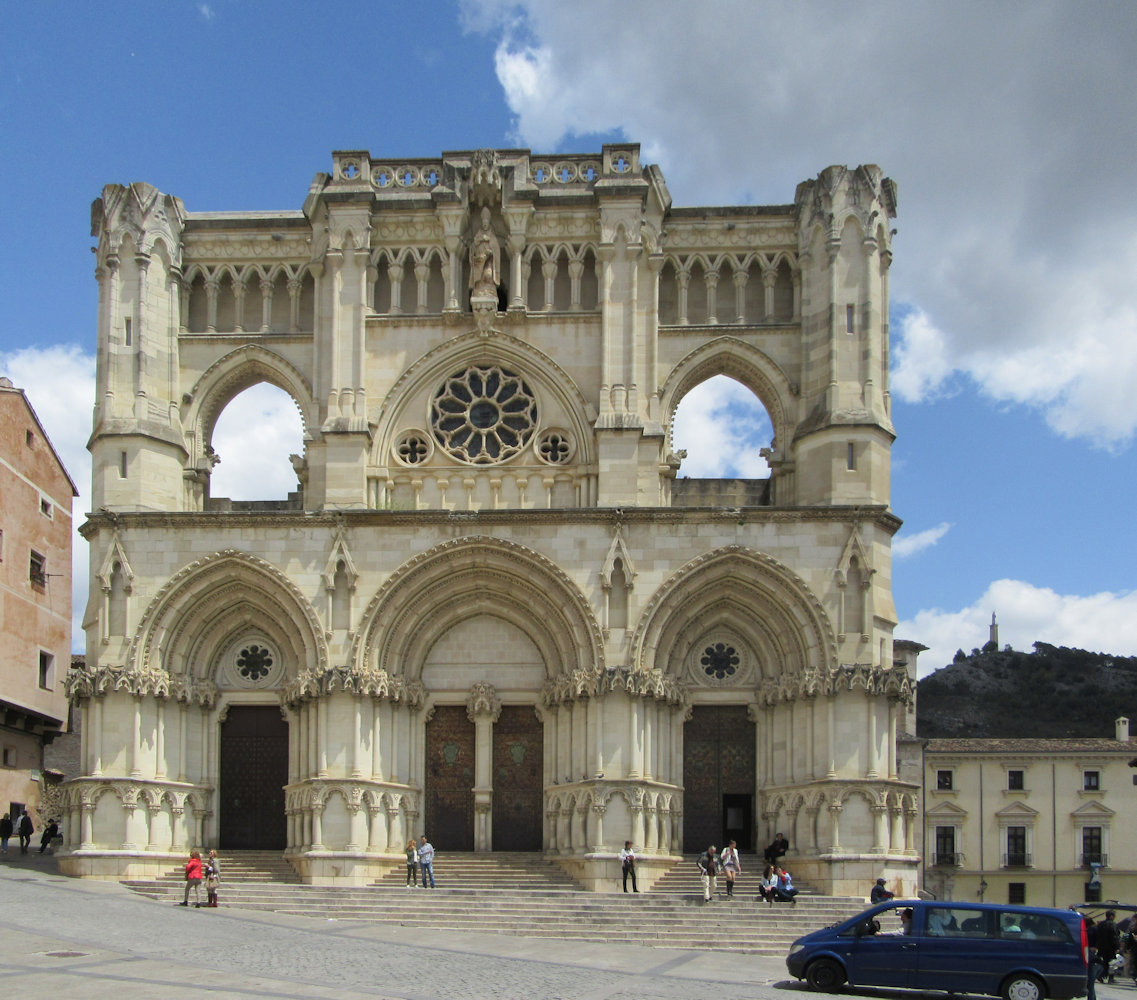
(1017,952)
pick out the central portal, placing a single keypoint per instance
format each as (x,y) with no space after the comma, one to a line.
(253,773)
(718,777)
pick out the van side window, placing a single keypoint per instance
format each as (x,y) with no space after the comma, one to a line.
(947,921)
(1032,926)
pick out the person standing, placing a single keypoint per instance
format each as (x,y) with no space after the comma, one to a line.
(628,865)
(49,835)
(426,861)
(193,879)
(212,879)
(412,864)
(26,831)
(6,829)
(731,866)
(708,868)
(1109,942)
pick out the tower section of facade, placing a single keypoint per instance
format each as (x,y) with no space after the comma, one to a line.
(494,607)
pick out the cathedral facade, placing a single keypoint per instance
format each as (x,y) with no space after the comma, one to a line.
(494,610)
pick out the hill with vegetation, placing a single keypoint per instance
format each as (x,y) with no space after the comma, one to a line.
(1051,692)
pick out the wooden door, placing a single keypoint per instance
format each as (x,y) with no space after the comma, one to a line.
(718,770)
(518,792)
(253,772)
(449,792)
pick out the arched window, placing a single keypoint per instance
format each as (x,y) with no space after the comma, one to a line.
(253,438)
(723,427)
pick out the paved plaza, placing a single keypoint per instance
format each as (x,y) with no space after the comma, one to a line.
(63,937)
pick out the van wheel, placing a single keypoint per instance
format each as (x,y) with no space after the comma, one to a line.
(825,976)
(1023,987)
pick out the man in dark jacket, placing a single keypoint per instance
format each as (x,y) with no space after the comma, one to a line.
(776,849)
(879,893)
(1108,942)
(5,832)
(26,831)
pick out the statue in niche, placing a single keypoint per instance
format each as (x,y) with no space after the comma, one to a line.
(485,260)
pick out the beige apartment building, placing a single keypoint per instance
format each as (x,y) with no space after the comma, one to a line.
(1031,820)
(494,609)
(35,599)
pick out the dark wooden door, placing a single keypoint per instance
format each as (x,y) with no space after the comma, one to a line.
(449,793)
(518,793)
(253,773)
(718,771)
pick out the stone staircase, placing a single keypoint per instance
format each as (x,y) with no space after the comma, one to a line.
(526,896)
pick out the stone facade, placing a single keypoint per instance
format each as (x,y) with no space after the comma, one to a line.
(35,600)
(1023,820)
(490,606)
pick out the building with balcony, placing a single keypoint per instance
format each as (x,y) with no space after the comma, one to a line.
(35,599)
(1035,821)
(494,608)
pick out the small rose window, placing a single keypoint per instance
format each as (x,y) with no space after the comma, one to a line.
(483,415)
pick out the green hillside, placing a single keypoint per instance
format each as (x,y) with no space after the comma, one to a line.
(1050,692)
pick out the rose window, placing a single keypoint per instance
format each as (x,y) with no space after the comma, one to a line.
(719,661)
(483,415)
(254,662)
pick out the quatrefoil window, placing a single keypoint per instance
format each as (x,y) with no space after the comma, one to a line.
(413,448)
(554,447)
(254,662)
(483,415)
(719,661)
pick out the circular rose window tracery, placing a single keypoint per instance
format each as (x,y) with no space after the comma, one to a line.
(483,415)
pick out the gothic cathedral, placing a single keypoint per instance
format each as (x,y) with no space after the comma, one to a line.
(494,609)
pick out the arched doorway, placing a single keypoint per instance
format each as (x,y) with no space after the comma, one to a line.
(253,773)
(518,744)
(718,777)
(449,793)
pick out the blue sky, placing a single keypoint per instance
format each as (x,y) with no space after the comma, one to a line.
(1008,128)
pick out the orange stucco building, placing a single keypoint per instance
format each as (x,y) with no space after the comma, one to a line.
(35,599)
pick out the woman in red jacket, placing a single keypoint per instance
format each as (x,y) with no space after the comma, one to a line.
(193,879)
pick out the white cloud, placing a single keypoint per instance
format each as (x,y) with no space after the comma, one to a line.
(1105,622)
(60,384)
(904,545)
(1016,237)
(206,11)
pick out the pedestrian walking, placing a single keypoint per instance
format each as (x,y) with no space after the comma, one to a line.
(708,868)
(731,866)
(412,864)
(426,861)
(6,830)
(26,831)
(193,879)
(628,865)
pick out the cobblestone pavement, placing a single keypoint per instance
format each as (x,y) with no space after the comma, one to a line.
(69,938)
(64,937)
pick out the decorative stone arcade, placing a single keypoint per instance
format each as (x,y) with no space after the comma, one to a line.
(493,607)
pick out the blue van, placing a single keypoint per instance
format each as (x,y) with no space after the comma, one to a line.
(1017,952)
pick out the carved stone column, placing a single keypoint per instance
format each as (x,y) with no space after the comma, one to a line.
(483,709)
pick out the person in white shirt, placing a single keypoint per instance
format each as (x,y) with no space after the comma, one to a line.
(628,865)
(731,866)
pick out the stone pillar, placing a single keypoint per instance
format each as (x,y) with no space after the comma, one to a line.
(317,826)
(87,842)
(873,771)
(357,736)
(598,810)
(160,741)
(357,819)
(483,709)
(322,737)
(97,739)
(136,737)
(377,831)
(635,741)
(879,828)
(183,734)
